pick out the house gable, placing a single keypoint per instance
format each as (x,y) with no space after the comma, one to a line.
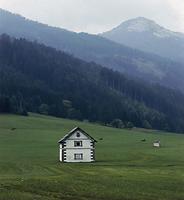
(77,133)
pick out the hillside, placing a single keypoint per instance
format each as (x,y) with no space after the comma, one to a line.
(97,49)
(126,168)
(144,34)
(37,78)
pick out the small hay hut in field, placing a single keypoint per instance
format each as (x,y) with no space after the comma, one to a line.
(157,144)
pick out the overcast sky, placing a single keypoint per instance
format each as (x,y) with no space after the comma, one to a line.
(96,16)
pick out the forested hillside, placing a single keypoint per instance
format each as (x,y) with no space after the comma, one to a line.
(97,49)
(37,78)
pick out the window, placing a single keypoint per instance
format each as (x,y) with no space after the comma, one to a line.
(78,156)
(78,134)
(77,143)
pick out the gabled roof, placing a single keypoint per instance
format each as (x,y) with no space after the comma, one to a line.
(74,130)
(157,141)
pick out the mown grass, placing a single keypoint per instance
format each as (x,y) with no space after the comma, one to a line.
(126,168)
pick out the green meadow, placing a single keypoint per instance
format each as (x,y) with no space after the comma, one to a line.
(126,168)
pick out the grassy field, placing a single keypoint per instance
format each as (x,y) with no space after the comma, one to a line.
(126,168)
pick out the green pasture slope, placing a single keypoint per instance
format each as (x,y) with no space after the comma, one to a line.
(126,168)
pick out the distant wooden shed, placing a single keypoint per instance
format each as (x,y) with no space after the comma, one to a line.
(157,143)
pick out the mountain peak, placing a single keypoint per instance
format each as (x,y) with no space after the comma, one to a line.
(144,25)
(140,20)
(146,35)
(140,24)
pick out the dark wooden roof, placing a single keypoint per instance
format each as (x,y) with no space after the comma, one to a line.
(74,130)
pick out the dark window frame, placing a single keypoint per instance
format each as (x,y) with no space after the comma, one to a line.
(78,134)
(78,156)
(78,144)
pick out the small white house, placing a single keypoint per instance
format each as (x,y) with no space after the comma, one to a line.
(156,144)
(77,146)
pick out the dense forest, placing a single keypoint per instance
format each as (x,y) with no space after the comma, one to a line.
(40,79)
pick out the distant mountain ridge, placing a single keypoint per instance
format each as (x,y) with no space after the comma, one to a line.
(148,36)
(93,48)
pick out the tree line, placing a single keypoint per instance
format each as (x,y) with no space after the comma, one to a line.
(36,78)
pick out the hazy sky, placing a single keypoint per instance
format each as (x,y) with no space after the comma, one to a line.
(96,16)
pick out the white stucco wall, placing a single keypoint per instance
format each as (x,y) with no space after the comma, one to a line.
(60,152)
(86,143)
(86,155)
